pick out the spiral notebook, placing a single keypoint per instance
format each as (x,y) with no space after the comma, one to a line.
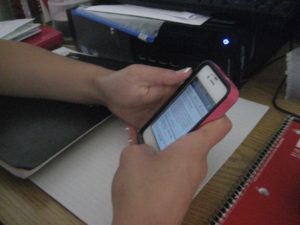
(269,193)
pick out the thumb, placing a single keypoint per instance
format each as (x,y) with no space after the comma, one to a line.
(199,142)
(160,76)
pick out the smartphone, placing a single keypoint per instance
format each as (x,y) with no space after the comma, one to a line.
(205,96)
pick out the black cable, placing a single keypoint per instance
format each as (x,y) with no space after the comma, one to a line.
(274,60)
(274,99)
(274,102)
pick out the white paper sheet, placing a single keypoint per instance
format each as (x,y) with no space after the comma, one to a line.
(160,14)
(244,117)
(292,90)
(7,27)
(80,178)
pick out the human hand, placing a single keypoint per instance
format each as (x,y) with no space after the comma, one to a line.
(136,92)
(152,188)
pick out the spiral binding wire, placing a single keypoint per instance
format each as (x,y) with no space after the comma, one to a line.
(251,172)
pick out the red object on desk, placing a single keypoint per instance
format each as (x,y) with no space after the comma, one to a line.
(48,38)
(271,195)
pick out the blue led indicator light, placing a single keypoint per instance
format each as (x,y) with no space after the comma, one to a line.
(226,41)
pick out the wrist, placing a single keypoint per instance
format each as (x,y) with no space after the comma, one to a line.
(97,85)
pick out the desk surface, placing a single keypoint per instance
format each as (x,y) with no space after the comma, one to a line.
(22,202)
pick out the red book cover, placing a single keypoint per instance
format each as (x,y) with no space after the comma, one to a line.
(48,38)
(269,194)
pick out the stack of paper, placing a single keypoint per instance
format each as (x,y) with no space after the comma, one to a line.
(293,74)
(141,22)
(160,14)
(18,29)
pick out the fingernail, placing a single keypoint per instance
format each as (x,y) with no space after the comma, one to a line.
(127,131)
(185,70)
(129,140)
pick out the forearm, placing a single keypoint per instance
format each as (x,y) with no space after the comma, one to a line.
(28,71)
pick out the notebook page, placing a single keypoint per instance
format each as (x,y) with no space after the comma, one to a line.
(241,127)
(80,178)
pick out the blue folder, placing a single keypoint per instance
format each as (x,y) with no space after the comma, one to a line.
(144,29)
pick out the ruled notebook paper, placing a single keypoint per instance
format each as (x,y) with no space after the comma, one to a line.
(80,178)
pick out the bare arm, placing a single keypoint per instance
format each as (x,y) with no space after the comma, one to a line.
(133,93)
(30,71)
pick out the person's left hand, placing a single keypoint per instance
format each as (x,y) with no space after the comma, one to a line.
(136,92)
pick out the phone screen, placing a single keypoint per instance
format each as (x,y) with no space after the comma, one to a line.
(187,110)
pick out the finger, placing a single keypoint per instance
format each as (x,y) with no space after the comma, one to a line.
(160,76)
(132,135)
(203,139)
(214,131)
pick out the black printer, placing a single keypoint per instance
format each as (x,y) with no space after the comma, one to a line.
(239,48)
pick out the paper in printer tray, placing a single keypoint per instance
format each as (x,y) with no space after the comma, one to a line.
(144,29)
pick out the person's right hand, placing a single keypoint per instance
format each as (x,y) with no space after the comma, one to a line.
(151,188)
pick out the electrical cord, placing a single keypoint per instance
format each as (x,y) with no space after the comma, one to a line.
(275,104)
(274,60)
(274,99)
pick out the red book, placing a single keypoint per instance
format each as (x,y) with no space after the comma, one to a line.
(269,194)
(48,38)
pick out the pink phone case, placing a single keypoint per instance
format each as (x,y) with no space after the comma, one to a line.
(231,98)
(222,108)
